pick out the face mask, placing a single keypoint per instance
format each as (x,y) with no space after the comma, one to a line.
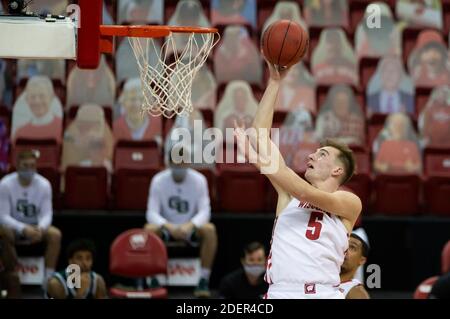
(26,174)
(254,270)
(178,173)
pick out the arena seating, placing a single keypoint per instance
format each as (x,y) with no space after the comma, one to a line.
(233,188)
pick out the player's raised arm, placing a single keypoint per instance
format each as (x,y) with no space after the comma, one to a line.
(341,203)
(264,114)
(264,118)
(283,44)
(328,168)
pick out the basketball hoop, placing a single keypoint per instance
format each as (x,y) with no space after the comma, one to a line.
(167,86)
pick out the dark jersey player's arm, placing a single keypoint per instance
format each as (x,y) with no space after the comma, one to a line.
(101,293)
(55,289)
(357,292)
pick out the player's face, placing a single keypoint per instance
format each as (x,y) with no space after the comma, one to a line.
(322,165)
(82,258)
(354,258)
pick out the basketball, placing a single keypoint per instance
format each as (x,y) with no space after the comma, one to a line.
(284,43)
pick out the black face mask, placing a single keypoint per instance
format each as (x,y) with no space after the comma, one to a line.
(178,173)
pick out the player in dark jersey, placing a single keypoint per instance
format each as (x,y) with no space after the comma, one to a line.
(62,285)
(356,256)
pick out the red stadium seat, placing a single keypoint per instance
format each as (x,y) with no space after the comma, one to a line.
(211,179)
(54,177)
(361,185)
(361,181)
(137,154)
(362,158)
(397,194)
(272,197)
(409,38)
(437,180)
(314,35)
(208,117)
(48,149)
(446,12)
(86,187)
(136,254)
(264,12)
(424,289)
(437,161)
(445,267)
(278,118)
(167,126)
(241,188)
(357,9)
(436,193)
(131,187)
(376,123)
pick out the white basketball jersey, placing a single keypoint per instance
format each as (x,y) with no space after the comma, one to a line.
(178,203)
(346,286)
(26,204)
(308,246)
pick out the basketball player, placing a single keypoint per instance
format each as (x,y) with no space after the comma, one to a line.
(26,210)
(179,209)
(313,218)
(356,256)
(92,286)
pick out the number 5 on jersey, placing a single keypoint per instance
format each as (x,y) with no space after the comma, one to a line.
(314,226)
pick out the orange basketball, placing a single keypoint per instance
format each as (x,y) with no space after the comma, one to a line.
(284,43)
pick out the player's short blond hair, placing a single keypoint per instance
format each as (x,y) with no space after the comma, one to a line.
(345,157)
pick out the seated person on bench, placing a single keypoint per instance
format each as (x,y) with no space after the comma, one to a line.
(179,209)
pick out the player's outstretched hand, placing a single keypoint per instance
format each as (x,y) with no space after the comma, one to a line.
(277,73)
(244,143)
(258,149)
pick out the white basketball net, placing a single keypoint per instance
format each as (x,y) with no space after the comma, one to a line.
(167,85)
